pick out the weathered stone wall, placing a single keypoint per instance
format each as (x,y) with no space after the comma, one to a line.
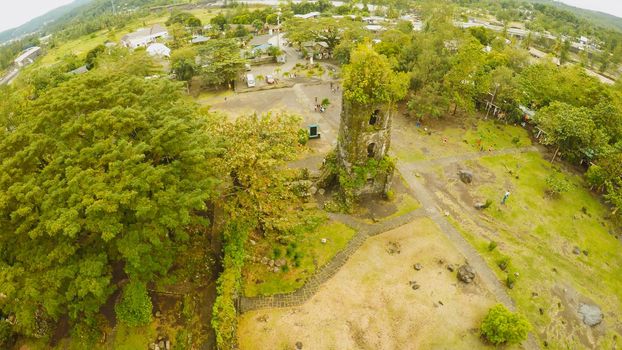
(364,134)
(357,135)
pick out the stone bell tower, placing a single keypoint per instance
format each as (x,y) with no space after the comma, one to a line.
(365,135)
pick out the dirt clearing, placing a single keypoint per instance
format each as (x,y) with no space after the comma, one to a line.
(370,303)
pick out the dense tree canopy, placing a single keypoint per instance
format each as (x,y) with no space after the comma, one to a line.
(220,61)
(104,169)
(369,79)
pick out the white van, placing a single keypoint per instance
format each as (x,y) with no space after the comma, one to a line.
(250,80)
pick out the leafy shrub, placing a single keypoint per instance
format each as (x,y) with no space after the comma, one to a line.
(492,245)
(556,184)
(7,337)
(183,340)
(510,280)
(502,326)
(135,306)
(303,137)
(325,102)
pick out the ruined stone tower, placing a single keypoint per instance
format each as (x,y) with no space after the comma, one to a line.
(370,88)
(364,136)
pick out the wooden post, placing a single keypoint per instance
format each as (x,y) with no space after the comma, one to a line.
(555,155)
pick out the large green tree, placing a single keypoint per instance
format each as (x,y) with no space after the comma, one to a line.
(220,61)
(323,29)
(104,170)
(369,78)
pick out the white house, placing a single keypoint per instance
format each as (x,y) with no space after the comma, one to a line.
(28,56)
(144,37)
(308,15)
(158,49)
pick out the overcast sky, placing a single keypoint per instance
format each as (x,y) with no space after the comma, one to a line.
(17,12)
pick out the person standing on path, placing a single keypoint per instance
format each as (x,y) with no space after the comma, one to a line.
(505,197)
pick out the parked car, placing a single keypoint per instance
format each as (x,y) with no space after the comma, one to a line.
(269,79)
(250,80)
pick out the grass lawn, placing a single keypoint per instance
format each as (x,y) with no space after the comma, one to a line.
(405,204)
(538,234)
(412,144)
(303,258)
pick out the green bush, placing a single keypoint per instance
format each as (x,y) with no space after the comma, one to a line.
(510,280)
(556,184)
(135,306)
(303,136)
(7,337)
(492,245)
(501,326)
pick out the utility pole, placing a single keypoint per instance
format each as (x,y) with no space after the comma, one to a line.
(278,28)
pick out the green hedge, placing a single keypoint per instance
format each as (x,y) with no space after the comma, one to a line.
(224,316)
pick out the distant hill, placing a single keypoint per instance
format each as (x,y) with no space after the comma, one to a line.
(596,17)
(38,23)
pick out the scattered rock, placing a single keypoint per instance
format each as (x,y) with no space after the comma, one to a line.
(446,213)
(546,344)
(534,294)
(262,318)
(157,347)
(313,190)
(451,267)
(158,314)
(440,302)
(555,270)
(465,176)
(592,315)
(282,262)
(253,242)
(264,260)
(277,263)
(466,273)
(576,250)
(414,285)
(441,261)
(418,266)
(271,263)
(321,191)
(393,248)
(541,311)
(276,269)
(167,345)
(152,346)
(298,345)
(417,175)
(161,344)
(480,205)
(323,240)
(585,252)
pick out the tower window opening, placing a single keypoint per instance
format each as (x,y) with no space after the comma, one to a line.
(373,119)
(371,150)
